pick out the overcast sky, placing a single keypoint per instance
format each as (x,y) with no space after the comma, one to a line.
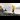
(8,6)
(16,4)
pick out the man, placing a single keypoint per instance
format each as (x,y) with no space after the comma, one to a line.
(13,7)
(5,10)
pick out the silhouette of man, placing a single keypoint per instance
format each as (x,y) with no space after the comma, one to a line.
(5,10)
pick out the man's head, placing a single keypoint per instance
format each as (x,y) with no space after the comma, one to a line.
(0,6)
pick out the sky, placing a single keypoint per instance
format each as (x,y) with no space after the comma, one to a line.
(8,6)
(16,4)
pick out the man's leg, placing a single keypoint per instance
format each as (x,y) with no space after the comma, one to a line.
(13,10)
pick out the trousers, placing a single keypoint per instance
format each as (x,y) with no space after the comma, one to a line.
(13,11)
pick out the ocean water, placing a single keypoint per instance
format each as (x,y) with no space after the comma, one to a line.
(17,11)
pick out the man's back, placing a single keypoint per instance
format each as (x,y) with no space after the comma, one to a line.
(13,7)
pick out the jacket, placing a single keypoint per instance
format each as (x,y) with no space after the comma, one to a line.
(13,7)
